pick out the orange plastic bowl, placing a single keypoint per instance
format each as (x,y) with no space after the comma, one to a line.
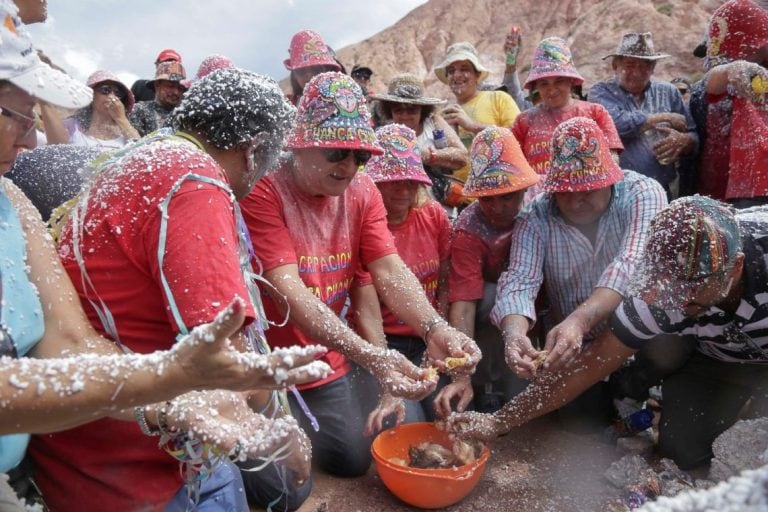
(423,488)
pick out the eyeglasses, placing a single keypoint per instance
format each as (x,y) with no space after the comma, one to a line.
(338,155)
(26,123)
(107,89)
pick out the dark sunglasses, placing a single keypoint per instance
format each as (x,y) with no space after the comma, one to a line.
(26,123)
(337,155)
(107,89)
(362,76)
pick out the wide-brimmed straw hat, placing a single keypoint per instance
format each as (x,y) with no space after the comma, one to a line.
(407,88)
(638,46)
(458,52)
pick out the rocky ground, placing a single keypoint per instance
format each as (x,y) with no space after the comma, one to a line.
(538,467)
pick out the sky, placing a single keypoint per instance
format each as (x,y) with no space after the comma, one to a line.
(124,37)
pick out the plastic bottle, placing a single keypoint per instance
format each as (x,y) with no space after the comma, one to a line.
(441,141)
(630,425)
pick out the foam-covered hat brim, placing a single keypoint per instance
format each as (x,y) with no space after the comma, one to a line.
(54,87)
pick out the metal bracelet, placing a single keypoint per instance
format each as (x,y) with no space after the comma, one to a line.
(431,324)
(140,413)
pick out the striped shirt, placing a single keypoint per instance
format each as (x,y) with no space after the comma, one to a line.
(545,248)
(740,337)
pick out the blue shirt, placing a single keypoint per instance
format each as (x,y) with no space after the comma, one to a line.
(22,314)
(629,115)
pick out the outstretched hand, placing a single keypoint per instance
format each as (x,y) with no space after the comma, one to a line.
(208,359)
(388,405)
(474,425)
(401,378)
(447,344)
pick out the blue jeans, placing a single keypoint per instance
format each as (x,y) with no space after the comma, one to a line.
(222,491)
(341,408)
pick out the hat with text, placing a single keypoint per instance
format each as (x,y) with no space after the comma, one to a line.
(581,159)
(497,165)
(332,113)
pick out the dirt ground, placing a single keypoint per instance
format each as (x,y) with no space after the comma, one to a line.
(539,467)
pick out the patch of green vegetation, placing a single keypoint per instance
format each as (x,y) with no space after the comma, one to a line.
(665,9)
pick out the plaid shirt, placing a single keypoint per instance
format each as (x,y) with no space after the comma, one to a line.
(547,249)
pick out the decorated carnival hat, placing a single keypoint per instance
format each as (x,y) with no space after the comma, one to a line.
(308,49)
(401,160)
(101,76)
(637,45)
(407,88)
(20,65)
(211,63)
(552,58)
(691,240)
(457,52)
(497,165)
(737,29)
(332,113)
(581,159)
(172,71)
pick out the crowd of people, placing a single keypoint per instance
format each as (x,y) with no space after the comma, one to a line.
(238,284)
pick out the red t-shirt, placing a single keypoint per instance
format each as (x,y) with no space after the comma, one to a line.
(479,254)
(109,464)
(534,128)
(423,242)
(328,238)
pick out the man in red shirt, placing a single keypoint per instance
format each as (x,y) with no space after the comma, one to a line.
(153,249)
(498,177)
(314,222)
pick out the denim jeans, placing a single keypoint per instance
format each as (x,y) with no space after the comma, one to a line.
(341,408)
(222,491)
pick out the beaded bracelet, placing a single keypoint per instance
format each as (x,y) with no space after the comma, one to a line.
(140,413)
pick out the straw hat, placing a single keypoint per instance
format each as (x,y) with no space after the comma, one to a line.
(457,52)
(638,46)
(407,88)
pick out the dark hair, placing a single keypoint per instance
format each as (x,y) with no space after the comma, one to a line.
(230,107)
(386,110)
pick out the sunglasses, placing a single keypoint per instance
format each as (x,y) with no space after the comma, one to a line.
(338,155)
(107,89)
(26,123)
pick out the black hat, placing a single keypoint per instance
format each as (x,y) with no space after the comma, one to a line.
(357,69)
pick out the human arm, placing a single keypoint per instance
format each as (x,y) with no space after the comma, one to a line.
(55,132)
(452,157)
(456,116)
(461,315)
(511,80)
(318,322)
(549,392)
(735,79)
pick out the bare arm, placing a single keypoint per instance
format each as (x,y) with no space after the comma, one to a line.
(55,133)
(564,340)
(461,315)
(551,391)
(455,155)
(320,323)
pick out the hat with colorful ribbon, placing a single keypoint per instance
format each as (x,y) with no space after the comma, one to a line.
(692,240)
(497,165)
(332,113)
(552,58)
(581,159)
(401,160)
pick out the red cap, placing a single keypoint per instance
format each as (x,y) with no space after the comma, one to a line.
(166,55)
